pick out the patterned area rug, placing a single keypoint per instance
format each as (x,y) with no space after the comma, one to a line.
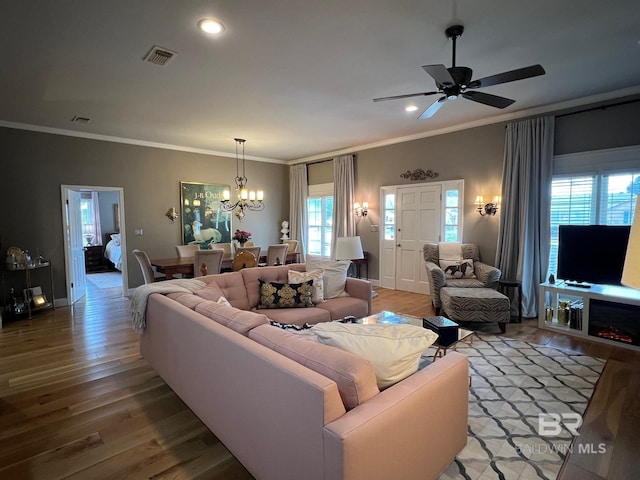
(512,382)
(105,280)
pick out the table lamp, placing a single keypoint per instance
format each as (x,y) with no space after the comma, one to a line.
(349,248)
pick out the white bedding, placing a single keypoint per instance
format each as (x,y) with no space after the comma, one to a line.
(113,252)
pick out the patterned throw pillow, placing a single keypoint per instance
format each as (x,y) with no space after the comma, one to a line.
(458,268)
(285,295)
(318,282)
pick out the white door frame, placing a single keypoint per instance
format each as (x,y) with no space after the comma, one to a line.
(64,189)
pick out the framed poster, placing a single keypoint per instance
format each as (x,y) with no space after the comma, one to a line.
(203,222)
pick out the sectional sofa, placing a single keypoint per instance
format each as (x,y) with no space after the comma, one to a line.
(290,408)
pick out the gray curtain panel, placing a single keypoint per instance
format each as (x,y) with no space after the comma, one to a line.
(523,238)
(298,210)
(344,224)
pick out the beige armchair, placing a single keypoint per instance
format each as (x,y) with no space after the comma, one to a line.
(486,276)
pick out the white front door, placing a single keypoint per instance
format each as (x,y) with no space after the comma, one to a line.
(418,221)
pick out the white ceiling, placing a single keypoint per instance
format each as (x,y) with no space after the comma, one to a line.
(296,78)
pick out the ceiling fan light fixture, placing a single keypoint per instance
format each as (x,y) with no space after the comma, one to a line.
(411,108)
(452,96)
(211,25)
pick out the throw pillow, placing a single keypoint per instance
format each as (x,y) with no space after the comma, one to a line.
(458,268)
(317,276)
(335,275)
(285,295)
(394,350)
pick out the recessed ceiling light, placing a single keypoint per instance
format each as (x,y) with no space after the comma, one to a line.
(411,108)
(211,25)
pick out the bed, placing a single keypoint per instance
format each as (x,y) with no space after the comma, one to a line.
(113,250)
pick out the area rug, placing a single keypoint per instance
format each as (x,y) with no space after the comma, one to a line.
(512,382)
(105,280)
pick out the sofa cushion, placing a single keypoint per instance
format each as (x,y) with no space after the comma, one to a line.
(210,292)
(298,316)
(317,276)
(394,350)
(189,300)
(232,287)
(285,295)
(240,321)
(335,274)
(345,306)
(354,375)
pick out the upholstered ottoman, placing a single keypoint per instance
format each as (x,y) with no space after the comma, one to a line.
(476,305)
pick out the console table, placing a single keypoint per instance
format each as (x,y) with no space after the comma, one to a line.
(606,313)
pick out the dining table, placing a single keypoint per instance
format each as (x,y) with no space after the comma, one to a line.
(184,265)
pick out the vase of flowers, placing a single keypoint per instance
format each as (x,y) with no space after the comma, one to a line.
(241,237)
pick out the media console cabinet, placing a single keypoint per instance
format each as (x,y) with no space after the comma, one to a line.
(606,313)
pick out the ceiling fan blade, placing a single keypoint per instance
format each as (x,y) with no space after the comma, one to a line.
(440,74)
(435,106)
(395,97)
(511,76)
(488,99)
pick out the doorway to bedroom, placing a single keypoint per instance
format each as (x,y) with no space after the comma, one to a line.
(94,240)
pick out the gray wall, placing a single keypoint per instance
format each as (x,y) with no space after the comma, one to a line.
(35,165)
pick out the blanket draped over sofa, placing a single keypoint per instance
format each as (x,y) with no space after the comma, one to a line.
(290,408)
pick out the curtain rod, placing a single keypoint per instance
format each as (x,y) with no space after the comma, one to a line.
(601,107)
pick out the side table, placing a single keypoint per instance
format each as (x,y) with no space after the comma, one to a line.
(358,262)
(504,285)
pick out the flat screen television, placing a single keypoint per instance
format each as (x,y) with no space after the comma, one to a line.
(592,253)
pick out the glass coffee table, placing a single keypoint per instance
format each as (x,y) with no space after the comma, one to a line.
(385,316)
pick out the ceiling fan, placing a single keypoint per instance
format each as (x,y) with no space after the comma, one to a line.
(456,81)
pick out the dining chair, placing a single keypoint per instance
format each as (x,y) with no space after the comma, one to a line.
(207,262)
(255,251)
(277,254)
(244,259)
(186,251)
(228,254)
(249,243)
(293,245)
(149,274)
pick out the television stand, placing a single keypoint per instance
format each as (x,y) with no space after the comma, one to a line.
(604,313)
(577,284)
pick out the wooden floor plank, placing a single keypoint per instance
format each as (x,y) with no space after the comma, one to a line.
(78,401)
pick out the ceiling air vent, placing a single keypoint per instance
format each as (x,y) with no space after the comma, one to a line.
(159,56)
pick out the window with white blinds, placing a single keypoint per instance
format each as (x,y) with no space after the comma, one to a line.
(604,199)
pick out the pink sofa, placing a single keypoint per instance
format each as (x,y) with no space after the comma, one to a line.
(290,408)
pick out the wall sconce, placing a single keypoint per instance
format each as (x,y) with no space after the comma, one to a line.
(171,214)
(490,208)
(361,211)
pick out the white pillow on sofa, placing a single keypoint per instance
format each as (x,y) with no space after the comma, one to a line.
(317,294)
(394,350)
(335,274)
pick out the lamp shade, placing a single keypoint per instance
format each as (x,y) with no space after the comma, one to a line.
(349,248)
(631,272)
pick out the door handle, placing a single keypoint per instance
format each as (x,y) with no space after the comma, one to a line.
(398,245)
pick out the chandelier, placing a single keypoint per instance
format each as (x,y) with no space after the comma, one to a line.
(246,199)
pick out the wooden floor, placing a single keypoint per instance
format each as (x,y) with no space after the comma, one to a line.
(77,400)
